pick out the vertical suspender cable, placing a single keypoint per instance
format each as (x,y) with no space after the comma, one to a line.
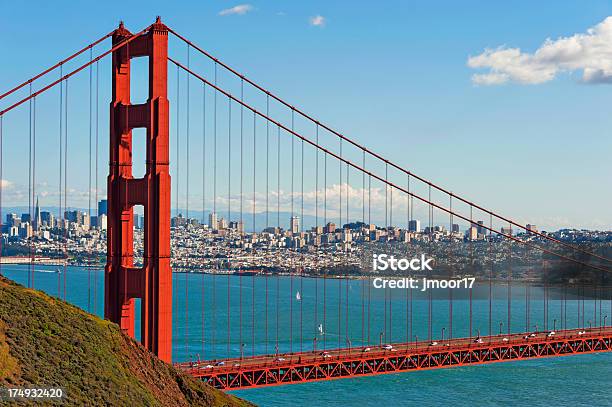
(363,281)
(527,290)
(254,231)
(292,236)
(187,142)
(178,135)
(229,210)
(317,236)
(203,207)
(545,298)
(369,277)
(564,307)
(346,280)
(411,218)
(430,244)
(386,185)
(325,267)
(187,151)
(35,218)
(302,256)
(278,249)
(65,186)
(491,276)
(178,151)
(61,135)
(241,203)
(29,225)
(451,269)
(89,211)
(214,227)
(267,209)
(510,285)
(342,232)
(390,229)
(98,224)
(471,267)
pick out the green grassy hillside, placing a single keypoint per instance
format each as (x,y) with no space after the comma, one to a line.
(47,342)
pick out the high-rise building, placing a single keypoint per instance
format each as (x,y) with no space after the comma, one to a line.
(102,222)
(455,228)
(414,225)
(532,228)
(47,219)
(330,227)
(37,221)
(12,219)
(481,228)
(178,221)
(212,221)
(103,207)
(25,230)
(74,216)
(237,226)
(472,233)
(295,224)
(222,224)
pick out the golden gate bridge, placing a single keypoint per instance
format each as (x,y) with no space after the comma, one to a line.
(270,144)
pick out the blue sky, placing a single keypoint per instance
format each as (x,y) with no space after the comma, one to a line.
(392,75)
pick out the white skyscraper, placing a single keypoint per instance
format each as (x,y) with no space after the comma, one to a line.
(295,224)
(213,223)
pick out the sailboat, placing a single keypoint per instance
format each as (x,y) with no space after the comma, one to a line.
(320,328)
(298,296)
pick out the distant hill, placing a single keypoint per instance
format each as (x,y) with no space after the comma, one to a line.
(47,342)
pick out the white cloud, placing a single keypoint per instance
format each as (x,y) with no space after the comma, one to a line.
(240,9)
(317,21)
(589,53)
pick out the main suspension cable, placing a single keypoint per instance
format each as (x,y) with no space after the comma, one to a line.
(75,71)
(57,65)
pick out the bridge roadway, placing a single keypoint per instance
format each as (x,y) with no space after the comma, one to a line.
(267,370)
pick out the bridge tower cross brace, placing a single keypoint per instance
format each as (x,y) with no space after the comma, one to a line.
(152,282)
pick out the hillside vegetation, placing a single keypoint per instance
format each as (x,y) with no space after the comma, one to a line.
(47,342)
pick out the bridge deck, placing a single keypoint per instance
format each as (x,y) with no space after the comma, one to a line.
(268,370)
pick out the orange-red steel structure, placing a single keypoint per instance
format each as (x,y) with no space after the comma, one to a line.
(152,282)
(273,370)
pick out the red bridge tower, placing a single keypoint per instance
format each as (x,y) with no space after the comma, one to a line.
(153,282)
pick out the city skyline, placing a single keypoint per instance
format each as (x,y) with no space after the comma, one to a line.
(245,222)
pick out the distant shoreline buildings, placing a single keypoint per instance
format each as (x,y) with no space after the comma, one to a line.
(224,243)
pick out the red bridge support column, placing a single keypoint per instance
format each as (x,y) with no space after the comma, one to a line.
(123,281)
